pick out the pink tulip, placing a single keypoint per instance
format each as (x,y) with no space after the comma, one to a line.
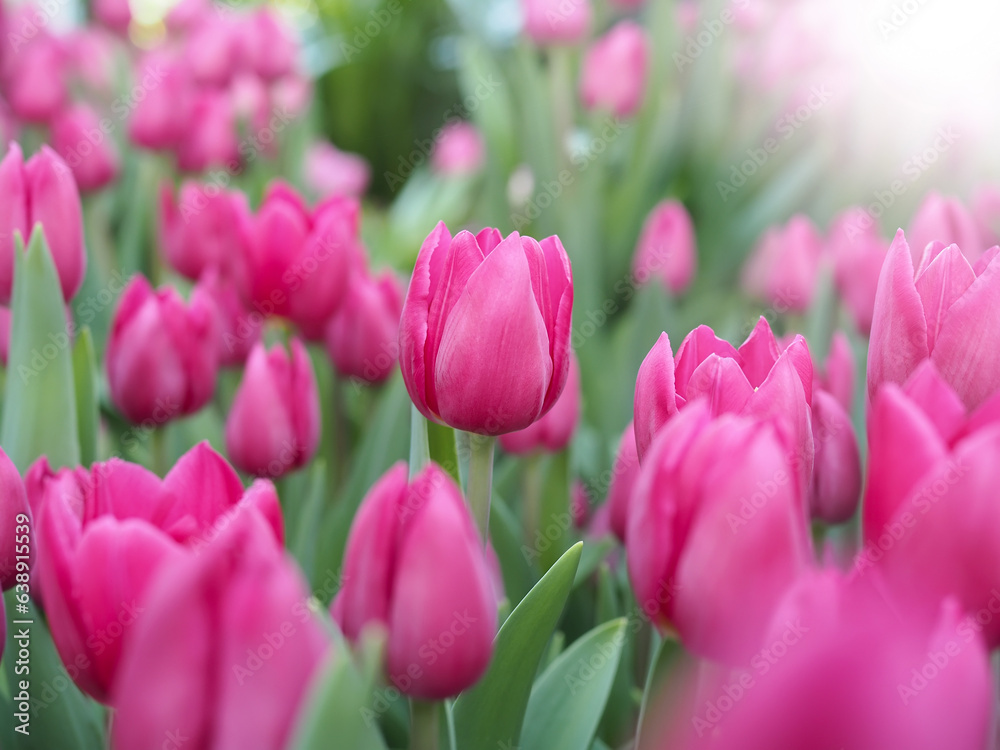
(623,475)
(274,423)
(948,311)
(613,77)
(233,628)
(484,336)
(104,534)
(784,267)
(81,141)
(185,15)
(239,328)
(115,14)
(716,530)
(162,117)
(16,528)
(838,377)
(946,220)
(328,171)
(836,485)
(666,247)
(458,150)
(268,47)
(556,21)
(210,139)
(363,334)
(839,669)
(34,70)
(41,191)
(552,432)
(300,260)
(986,209)
(93,53)
(161,358)
(415,565)
(579,504)
(212,49)
(204,227)
(858,251)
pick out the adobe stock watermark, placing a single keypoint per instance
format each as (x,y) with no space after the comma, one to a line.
(377,21)
(751,505)
(711,29)
(899,15)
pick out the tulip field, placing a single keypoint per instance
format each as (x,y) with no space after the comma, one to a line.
(499,375)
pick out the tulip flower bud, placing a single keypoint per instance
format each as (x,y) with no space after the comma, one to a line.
(553,431)
(666,247)
(623,475)
(415,564)
(458,150)
(161,118)
(838,379)
(115,14)
(363,334)
(212,49)
(580,504)
(328,171)
(35,72)
(79,139)
(268,47)
(837,470)
(484,336)
(204,227)
(274,424)
(233,627)
(858,251)
(948,310)
(556,21)
(946,220)
(239,328)
(716,530)
(162,356)
(210,138)
(784,267)
(613,76)
(16,544)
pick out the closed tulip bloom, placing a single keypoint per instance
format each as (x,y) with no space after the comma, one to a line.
(613,76)
(226,650)
(268,47)
(161,118)
(35,73)
(15,525)
(948,311)
(273,426)
(115,14)
(946,220)
(362,336)
(837,469)
(458,150)
(666,248)
(484,336)
(328,171)
(716,531)
(623,475)
(784,267)
(986,209)
(204,227)
(212,50)
(858,251)
(837,378)
(556,21)
(210,138)
(553,432)
(104,534)
(162,358)
(94,165)
(239,328)
(415,565)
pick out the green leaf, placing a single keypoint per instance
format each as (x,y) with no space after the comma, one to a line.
(594,553)
(568,699)
(39,415)
(505,533)
(304,536)
(554,520)
(444,449)
(491,713)
(85,380)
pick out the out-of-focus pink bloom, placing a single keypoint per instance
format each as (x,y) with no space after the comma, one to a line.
(580,504)
(291,94)
(210,136)
(716,530)
(105,533)
(415,565)
(328,171)
(93,52)
(239,328)
(623,475)
(858,251)
(986,208)
(613,76)
(688,15)
(458,150)
(115,14)
(784,267)
(836,485)
(41,191)
(162,117)
(185,15)
(553,431)
(945,220)
(79,137)
(162,355)
(628,4)
(948,310)
(273,426)
(204,227)
(231,625)
(556,21)
(837,378)
(666,247)
(268,47)
(34,70)
(16,527)
(363,334)
(484,336)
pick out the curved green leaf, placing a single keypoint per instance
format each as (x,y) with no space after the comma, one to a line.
(85,382)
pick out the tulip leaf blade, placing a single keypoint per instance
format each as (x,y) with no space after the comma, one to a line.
(491,713)
(39,416)
(87,407)
(505,534)
(569,697)
(441,440)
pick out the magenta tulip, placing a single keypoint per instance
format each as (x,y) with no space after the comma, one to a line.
(239,328)
(666,248)
(210,138)
(273,426)
(34,70)
(784,267)
(858,251)
(160,119)
(948,311)
(458,150)
(945,220)
(162,358)
(624,472)
(716,530)
(225,653)
(415,565)
(103,534)
(16,529)
(613,76)
(115,14)
(328,171)
(363,334)
(556,21)
(484,336)
(837,378)
(212,50)
(268,47)
(78,138)
(836,485)
(553,431)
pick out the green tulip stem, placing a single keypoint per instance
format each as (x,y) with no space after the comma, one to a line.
(424,725)
(481,481)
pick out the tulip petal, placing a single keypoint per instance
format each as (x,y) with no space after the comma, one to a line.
(939,403)
(946,278)
(560,290)
(123,490)
(722,382)
(759,352)
(837,470)
(655,398)
(203,485)
(695,347)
